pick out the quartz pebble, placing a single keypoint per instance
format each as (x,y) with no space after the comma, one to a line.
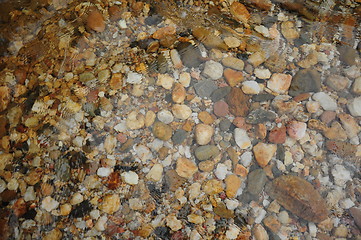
(181,111)
(130,177)
(49,204)
(221,171)
(264,152)
(354,106)
(296,130)
(166,81)
(165,116)
(241,138)
(186,168)
(251,87)
(279,82)
(203,134)
(326,102)
(213,70)
(155,173)
(110,204)
(262,73)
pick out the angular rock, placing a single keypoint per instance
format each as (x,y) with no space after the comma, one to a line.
(342,149)
(305,80)
(347,54)
(260,116)
(337,82)
(238,102)
(264,152)
(256,181)
(349,124)
(241,138)
(279,82)
(251,87)
(220,93)
(206,152)
(277,135)
(299,197)
(326,102)
(296,130)
(155,173)
(205,88)
(185,167)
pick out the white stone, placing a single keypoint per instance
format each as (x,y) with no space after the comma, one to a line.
(312,229)
(262,73)
(279,82)
(165,116)
(340,175)
(165,80)
(231,203)
(134,78)
(94,214)
(155,173)
(283,217)
(194,190)
(175,57)
(241,138)
(76,198)
(346,203)
(143,152)
(354,106)
(13,184)
(29,194)
(246,158)
(173,223)
(260,214)
(104,172)
(232,232)
(120,127)
(251,87)
(262,30)
(326,102)
(101,224)
(122,24)
(130,177)
(135,204)
(203,133)
(49,204)
(181,111)
(185,79)
(221,171)
(213,70)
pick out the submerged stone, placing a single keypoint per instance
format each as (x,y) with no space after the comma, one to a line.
(305,80)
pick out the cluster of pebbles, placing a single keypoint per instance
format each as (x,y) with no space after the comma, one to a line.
(204,120)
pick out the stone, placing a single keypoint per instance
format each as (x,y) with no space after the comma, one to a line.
(260,116)
(232,42)
(257,58)
(220,93)
(354,106)
(221,108)
(49,204)
(5,97)
(134,78)
(341,231)
(233,77)
(342,149)
(130,177)
(205,117)
(205,88)
(186,168)
(178,93)
(356,214)
(241,138)
(347,54)
(116,81)
(233,62)
(222,211)
(349,124)
(196,219)
(162,131)
(212,187)
(208,38)
(335,132)
(135,120)
(181,111)
(328,116)
(340,175)
(337,82)
(155,173)
(149,118)
(272,223)
(251,87)
(221,171)
(173,223)
(310,60)
(256,181)
(262,73)
(261,131)
(54,234)
(356,86)
(238,102)
(312,106)
(283,217)
(296,129)
(233,183)
(203,134)
(190,54)
(206,166)
(240,12)
(259,232)
(165,116)
(165,80)
(206,152)
(225,124)
(289,30)
(213,70)
(277,135)
(277,62)
(110,203)
(176,58)
(264,152)
(173,180)
(280,82)
(95,20)
(184,79)
(179,136)
(104,172)
(305,80)
(299,197)
(326,102)
(161,32)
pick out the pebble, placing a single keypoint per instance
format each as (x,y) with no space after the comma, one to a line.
(95,20)
(233,62)
(221,108)
(356,86)
(165,116)
(130,177)
(326,102)
(337,82)
(225,124)
(246,158)
(155,173)
(296,130)
(262,73)
(354,106)
(233,183)
(257,58)
(173,223)
(104,171)
(240,12)
(340,175)
(251,87)
(305,80)
(165,80)
(49,204)
(256,181)
(212,187)
(54,234)
(176,59)
(233,77)
(272,223)
(76,198)
(213,70)
(279,82)
(135,120)
(110,203)
(178,93)
(134,78)
(341,231)
(238,102)
(190,54)
(299,197)
(232,232)
(186,168)
(149,118)
(29,194)
(349,124)
(220,93)
(241,138)
(5,97)
(347,54)
(203,134)
(206,152)
(205,88)
(185,79)
(162,131)
(260,116)
(232,42)
(221,171)
(143,152)
(259,232)
(231,203)
(277,135)
(181,111)
(289,30)
(356,214)
(179,136)
(312,106)
(205,117)
(263,153)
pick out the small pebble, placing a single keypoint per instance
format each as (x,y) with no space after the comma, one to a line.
(251,87)
(165,116)
(130,177)
(213,70)
(155,173)
(203,134)
(241,138)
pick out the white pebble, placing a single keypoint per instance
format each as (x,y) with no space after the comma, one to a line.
(326,102)
(134,78)
(251,87)
(49,204)
(246,158)
(232,232)
(221,171)
(29,194)
(241,138)
(130,177)
(231,203)
(165,116)
(312,229)
(104,172)
(213,70)
(341,175)
(262,73)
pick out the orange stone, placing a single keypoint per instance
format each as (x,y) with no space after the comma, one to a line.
(95,20)
(233,77)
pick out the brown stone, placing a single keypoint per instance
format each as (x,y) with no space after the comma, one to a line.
(178,93)
(233,77)
(222,211)
(262,4)
(4,97)
(342,149)
(240,12)
(299,197)
(3,123)
(164,31)
(205,117)
(356,214)
(173,180)
(116,82)
(261,131)
(272,223)
(186,168)
(115,13)
(221,108)
(277,135)
(238,102)
(263,153)
(328,116)
(232,184)
(95,20)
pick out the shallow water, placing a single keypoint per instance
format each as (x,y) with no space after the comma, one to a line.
(180,119)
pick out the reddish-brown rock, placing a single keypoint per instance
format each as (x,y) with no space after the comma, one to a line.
(238,102)
(95,20)
(115,13)
(233,77)
(342,149)
(277,135)
(4,97)
(3,123)
(221,109)
(299,197)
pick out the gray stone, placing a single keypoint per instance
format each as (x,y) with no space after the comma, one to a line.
(326,102)
(305,80)
(220,93)
(206,152)
(190,54)
(256,181)
(225,124)
(356,86)
(62,169)
(260,116)
(354,106)
(213,70)
(86,77)
(337,82)
(262,97)
(347,55)
(205,88)
(179,136)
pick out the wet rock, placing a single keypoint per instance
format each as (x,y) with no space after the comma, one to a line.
(166,81)
(356,214)
(238,102)
(276,63)
(135,120)
(260,116)
(212,186)
(155,173)
(340,175)
(165,116)
(54,234)
(4,97)
(335,132)
(342,149)
(272,223)
(178,93)
(257,58)
(232,42)
(251,87)
(262,97)
(256,181)
(221,109)
(222,211)
(203,134)
(305,80)
(179,136)
(241,138)
(206,152)
(205,88)
(264,152)
(185,167)
(233,62)
(277,135)
(240,12)
(95,20)
(233,77)
(350,125)
(289,30)
(296,130)
(116,81)
(354,106)
(264,5)
(220,93)
(326,102)
(162,131)
(310,60)
(110,204)
(299,197)
(262,73)
(259,232)
(181,111)
(205,117)
(213,70)
(279,82)
(356,86)
(173,180)
(337,82)
(225,124)
(163,32)
(190,54)
(209,39)
(347,54)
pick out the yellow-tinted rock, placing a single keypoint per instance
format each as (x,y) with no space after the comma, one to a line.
(232,185)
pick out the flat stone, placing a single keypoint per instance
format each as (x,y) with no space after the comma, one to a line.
(354,106)
(349,124)
(257,58)
(178,93)
(289,30)
(262,73)
(181,111)
(256,181)
(337,82)
(165,116)
(279,82)
(260,116)
(206,152)
(130,177)
(220,93)
(225,124)
(251,87)
(190,54)
(162,131)
(272,223)
(185,79)
(296,130)
(213,70)
(233,62)
(277,135)
(264,152)
(179,136)
(276,63)
(240,12)
(299,197)
(110,204)
(232,42)
(221,108)
(95,20)
(134,78)
(135,120)
(165,80)
(241,138)
(340,175)
(342,149)
(326,102)
(305,80)
(262,97)
(222,211)
(233,77)
(347,54)
(155,173)
(49,204)
(238,102)
(205,88)
(205,117)
(258,230)
(328,116)
(212,187)
(185,167)
(356,214)
(173,180)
